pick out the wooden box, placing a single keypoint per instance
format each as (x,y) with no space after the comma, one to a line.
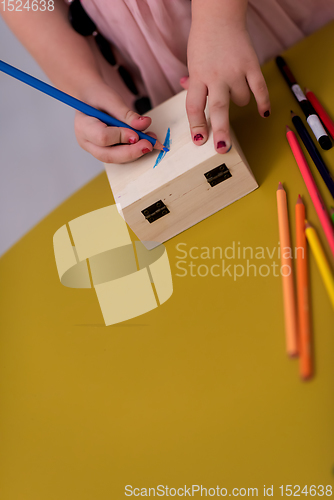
(189,184)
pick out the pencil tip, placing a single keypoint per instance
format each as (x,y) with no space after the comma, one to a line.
(307,224)
(288,129)
(160,146)
(306,90)
(280,186)
(299,200)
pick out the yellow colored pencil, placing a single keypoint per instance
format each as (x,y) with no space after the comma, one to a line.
(290,310)
(321,260)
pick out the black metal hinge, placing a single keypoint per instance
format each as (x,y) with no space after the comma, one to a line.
(155,211)
(217,175)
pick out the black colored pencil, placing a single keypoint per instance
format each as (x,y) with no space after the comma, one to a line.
(312,118)
(313,152)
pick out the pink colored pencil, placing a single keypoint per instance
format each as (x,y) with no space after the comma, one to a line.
(311,187)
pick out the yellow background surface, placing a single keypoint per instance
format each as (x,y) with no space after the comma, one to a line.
(199,390)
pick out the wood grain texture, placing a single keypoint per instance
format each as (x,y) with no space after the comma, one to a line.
(179,179)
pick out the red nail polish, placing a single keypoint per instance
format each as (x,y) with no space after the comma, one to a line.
(142,117)
(132,140)
(221,144)
(198,137)
(145,150)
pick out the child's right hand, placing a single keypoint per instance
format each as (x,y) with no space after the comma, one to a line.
(75,71)
(111,144)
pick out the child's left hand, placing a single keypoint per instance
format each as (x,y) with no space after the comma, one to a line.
(222,64)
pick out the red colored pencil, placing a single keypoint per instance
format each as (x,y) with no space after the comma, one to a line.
(323,115)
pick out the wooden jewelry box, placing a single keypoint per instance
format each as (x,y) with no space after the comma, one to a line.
(188,185)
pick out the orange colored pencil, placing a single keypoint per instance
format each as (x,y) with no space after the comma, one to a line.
(290,311)
(304,323)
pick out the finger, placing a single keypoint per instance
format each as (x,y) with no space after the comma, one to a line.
(240,93)
(119,154)
(184,82)
(93,130)
(219,107)
(123,113)
(195,105)
(152,134)
(258,86)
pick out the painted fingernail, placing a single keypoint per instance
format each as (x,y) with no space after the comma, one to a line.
(266,113)
(145,150)
(184,79)
(142,117)
(198,137)
(221,144)
(132,140)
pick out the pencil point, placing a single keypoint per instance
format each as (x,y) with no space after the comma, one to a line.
(292,113)
(159,146)
(299,200)
(307,224)
(280,186)
(306,90)
(288,129)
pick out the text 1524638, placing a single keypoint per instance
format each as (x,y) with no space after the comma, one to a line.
(27,5)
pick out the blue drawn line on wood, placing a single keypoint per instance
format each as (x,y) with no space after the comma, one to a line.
(167,144)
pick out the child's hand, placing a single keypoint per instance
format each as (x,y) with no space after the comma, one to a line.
(70,64)
(222,65)
(111,144)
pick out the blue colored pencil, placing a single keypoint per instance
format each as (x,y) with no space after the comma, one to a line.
(73,102)
(313,152)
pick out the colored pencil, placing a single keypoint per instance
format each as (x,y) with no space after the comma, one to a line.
(304,323)
(323,115)
(311,187)
(313,152)
(311,117)
(332,213)
(290,312)
(73,102)
(321,260)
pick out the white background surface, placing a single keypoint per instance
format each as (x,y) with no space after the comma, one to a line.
(41,163)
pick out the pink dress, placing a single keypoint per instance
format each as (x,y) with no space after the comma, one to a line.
(151,35)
